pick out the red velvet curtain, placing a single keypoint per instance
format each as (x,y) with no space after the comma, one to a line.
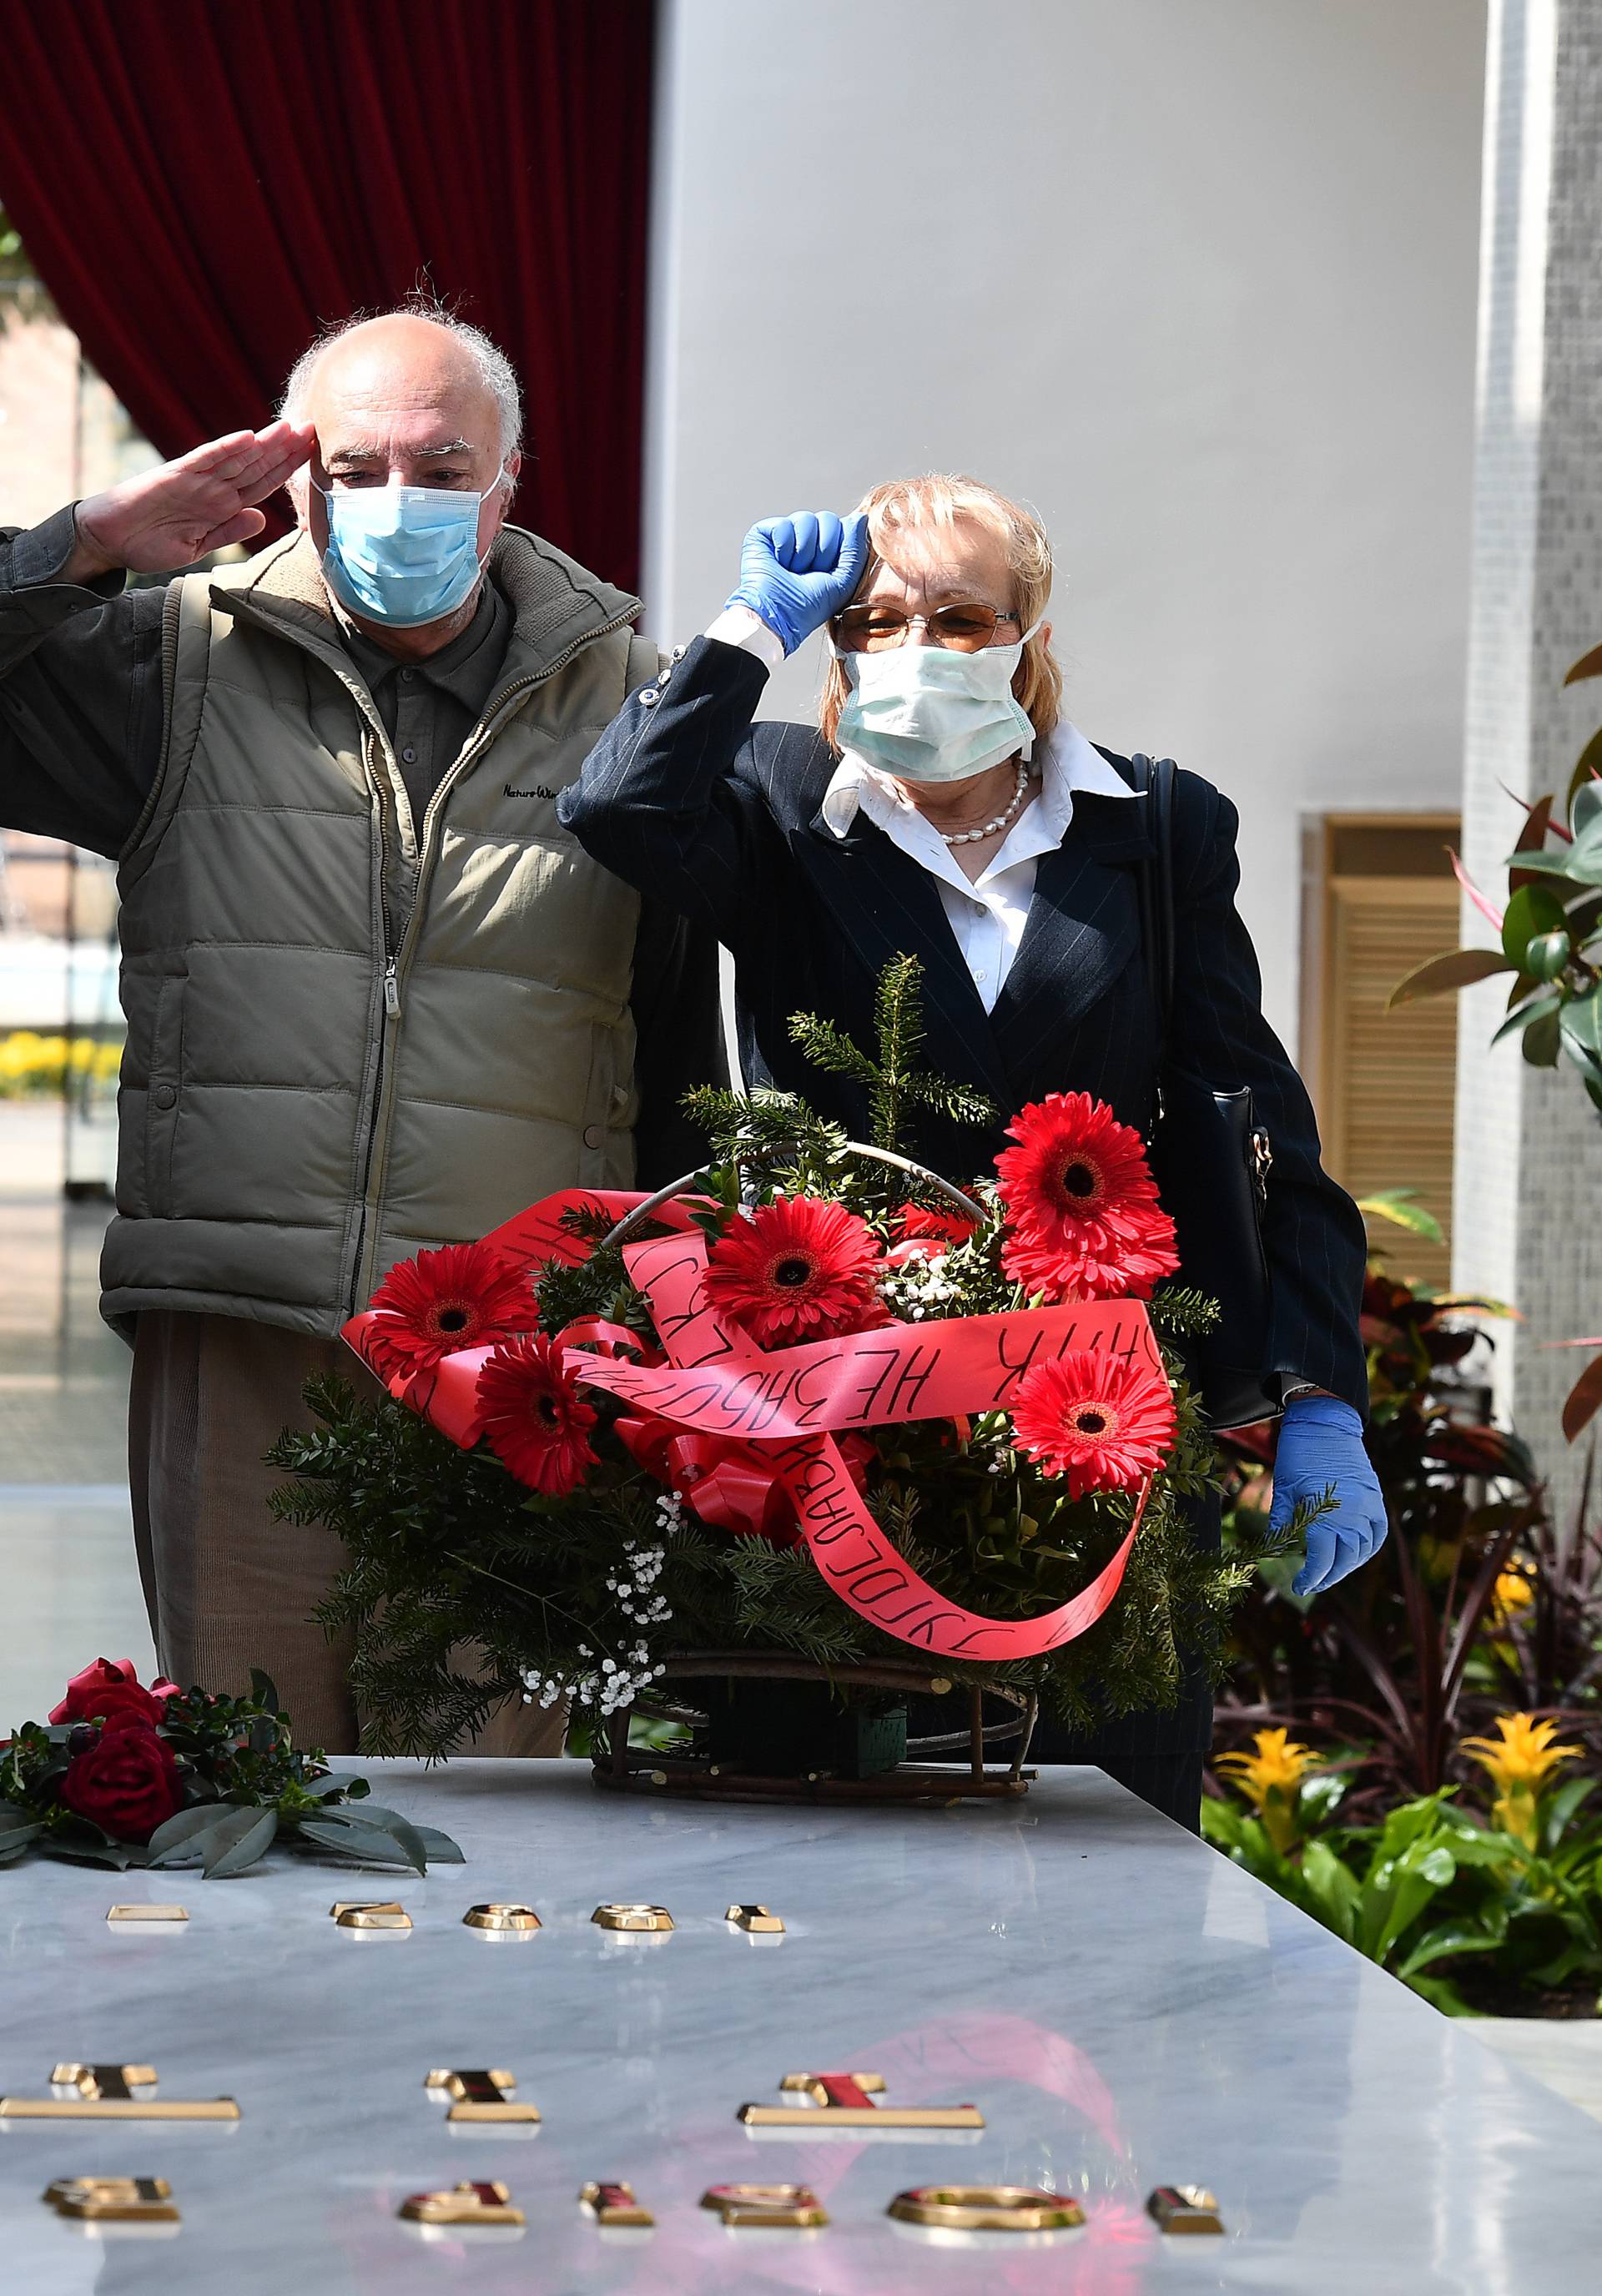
(201,182)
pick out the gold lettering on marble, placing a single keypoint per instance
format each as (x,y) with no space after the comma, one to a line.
(113,2200)
(107,2092)
(614,2206)
(484,2095)
(758,1919)
(463,2204)
(764,2207)
(986,2208)
(641,1920)
(507,1920)
(148,1913)
(1185,2208)
(846,2101)
(371,1914)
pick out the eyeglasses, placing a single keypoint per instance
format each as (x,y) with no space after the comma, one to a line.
(874,629)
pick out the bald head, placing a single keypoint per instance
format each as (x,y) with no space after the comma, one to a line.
(398,366)
(412,342)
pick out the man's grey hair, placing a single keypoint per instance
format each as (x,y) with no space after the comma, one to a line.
(499,376)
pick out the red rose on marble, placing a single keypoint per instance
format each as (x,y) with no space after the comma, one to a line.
(111,1686)
(126,1782)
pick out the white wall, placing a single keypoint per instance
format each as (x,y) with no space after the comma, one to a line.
(1197,277)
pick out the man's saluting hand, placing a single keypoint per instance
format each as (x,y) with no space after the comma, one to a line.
(168,517)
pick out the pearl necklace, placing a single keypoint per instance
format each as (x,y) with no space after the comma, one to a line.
(973,836)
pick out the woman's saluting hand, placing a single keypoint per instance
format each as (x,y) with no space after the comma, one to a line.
(797,572)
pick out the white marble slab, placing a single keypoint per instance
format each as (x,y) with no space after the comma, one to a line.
(1125,2006)
(1562,2054)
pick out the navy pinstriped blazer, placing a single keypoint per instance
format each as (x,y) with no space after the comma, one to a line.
(688,800)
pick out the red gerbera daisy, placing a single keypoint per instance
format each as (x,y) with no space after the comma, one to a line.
(533,1417)
(795,1270)
(1083,1219)
(1102,1424)
(465,1295)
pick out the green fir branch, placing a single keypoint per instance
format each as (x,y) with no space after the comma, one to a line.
(1178,1311)
(893,1080)
(830,1049)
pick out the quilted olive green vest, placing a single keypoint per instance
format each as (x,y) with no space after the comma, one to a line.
(351,1033)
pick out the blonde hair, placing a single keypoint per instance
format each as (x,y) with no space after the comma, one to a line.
(936,500)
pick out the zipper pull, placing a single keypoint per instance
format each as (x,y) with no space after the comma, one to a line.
(392,990)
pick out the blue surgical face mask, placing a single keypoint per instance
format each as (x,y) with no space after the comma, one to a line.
(927,713)
(402,555)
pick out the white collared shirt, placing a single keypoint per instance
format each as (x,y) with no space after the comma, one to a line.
(988,916)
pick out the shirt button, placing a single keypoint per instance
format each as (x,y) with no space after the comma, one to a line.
(405,677)
(410,757)
(593,1136)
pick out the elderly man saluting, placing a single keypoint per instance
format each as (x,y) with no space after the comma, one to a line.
(378,998)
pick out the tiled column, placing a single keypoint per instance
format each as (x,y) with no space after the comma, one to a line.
(1529,1158)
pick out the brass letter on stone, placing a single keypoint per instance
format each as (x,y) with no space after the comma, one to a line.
(614,2206)
(113,2200)
(846,2101)
(107,2093)
(766,2208)
(986,2208)
(481,2096)
(1184,2209)
(463,2205)
(371,1914)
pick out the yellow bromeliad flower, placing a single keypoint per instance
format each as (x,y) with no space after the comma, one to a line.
(1520,1766)
(1512,1593)
(1271,1778)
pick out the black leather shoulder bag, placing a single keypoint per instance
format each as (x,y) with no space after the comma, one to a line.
(1211,1159)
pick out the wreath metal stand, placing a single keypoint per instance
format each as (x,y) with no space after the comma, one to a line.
(970,1777)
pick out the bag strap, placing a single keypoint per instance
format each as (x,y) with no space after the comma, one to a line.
(1155,778)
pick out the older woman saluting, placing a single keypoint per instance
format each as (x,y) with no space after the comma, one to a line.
(943,806)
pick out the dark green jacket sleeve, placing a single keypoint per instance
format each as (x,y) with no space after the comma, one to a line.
(80,694)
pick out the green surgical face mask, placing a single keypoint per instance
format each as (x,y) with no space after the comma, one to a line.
(928,713)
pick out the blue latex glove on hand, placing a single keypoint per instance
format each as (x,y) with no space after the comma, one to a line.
(798,572)
(1320,1444)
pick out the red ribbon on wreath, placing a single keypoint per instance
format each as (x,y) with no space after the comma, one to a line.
(751,1422)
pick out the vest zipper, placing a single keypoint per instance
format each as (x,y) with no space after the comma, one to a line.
(395,970)
(378,773)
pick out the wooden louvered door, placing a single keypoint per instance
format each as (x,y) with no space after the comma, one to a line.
(1387,1081)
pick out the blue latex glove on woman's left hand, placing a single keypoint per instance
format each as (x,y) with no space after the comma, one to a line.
(1321,1447)
(798,572)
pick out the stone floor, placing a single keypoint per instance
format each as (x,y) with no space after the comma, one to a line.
(71,1589)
